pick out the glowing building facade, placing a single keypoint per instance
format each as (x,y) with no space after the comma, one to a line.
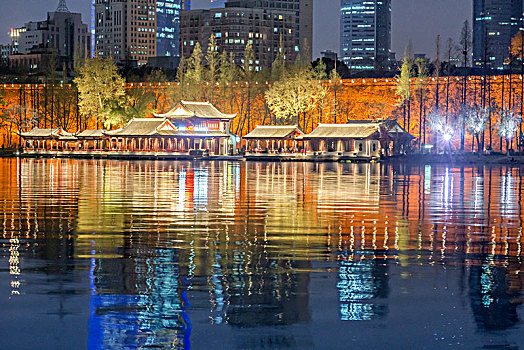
(365,34)
(63,33)
(136,30)
(303,26)
(125,30)
(235,27)
(168,26)
(495,23)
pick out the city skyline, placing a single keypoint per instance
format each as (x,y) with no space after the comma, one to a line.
(326,20)
(203,179)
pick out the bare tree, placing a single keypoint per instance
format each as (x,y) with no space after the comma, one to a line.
(466,44)
(23,118)
(507,126)
(403,90)
(421,90)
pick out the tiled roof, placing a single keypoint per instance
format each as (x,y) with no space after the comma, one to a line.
(91,133)
(139,127)
(67,138)
(273,132)
(388,126)
(155,127)
(201,134)
(37,132)
(203,110)
(342,131)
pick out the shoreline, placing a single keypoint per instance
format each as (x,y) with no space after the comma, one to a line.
(454,159)
(460,159)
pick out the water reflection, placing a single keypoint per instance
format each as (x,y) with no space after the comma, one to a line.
(256,255)
(145,306)
(494,300)
(361,284)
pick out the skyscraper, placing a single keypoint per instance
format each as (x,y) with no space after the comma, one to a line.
(495,23)
(235,27)
(365,34)
(136,30)
(125,30)
(303,12)
(63,33)
(168,26)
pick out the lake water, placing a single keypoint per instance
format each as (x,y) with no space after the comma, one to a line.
(211,255)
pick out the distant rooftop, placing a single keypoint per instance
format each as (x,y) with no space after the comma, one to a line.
(62,6)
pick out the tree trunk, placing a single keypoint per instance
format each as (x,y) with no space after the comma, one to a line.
(490,124)
(424,125)
(409,115)
(249,108)
(52,105)
(265,114)
(478,144)
(78,126)
(447,97)
(304,121)
(420,121)
(404,115)
(45,106)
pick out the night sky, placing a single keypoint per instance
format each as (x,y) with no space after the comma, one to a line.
(416,20)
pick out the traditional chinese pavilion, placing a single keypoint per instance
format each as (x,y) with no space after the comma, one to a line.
(362,138)
(274,139)
(201,125)
(190,128)
(48,139)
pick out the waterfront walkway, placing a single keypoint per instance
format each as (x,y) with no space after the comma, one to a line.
(457,158)
(271,157)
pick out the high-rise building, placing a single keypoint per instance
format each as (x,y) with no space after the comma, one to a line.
(217,4)
(303,11)
(12,47)
(136,30)
(62,31)
(168,26)
(62,34)
(6,51)
(235,27)
(125,30)
(495,23)
(365,34)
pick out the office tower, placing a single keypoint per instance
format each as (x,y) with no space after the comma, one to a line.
(168,26)
(62,31)
(303,11)
(11,48)
(136,30)
(365,34)
(495,23)
(62,34)
(125,30)
(234,27)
